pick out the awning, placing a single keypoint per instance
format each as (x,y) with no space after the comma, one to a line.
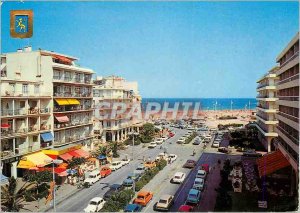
(57,170)
(75,154)
(47,136)
(61,101)
(102,157)
(63,174)
(62,59)
(270,163)
(61,118)
(5,126)
(38,159)
(73,101)
(66,156)
(82,153)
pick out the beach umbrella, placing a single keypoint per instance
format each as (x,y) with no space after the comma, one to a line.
(5,126)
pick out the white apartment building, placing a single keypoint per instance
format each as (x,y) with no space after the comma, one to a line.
(43,94)
(112,90)
(266,109)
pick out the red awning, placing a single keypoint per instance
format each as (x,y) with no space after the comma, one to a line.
(5,126)
(75,154)
(62,59)
(57,170)
(82,153)
(53,156)
(66,156)
(62,118)
(270,163)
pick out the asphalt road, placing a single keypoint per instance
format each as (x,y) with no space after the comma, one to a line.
(78,201)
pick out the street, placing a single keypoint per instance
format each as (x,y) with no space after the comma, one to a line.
(78,201)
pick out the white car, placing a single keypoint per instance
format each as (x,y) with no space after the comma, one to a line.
(125,161)
(178,177)
(95,205)
(162,156)
(198,184)
(201,174)
(93,177)
(207,137)
(115,165)
(173,157)
(181,140)
(216,144)
(152,145)
(218,139)
(164,138)
(159,140)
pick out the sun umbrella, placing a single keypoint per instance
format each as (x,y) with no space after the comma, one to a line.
(5,126)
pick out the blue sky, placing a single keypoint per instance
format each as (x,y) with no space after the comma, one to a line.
(173,49)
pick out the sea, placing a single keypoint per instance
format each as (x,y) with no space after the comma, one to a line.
(206,103)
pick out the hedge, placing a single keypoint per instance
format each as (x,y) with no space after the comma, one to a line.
(118,201)
(190,138)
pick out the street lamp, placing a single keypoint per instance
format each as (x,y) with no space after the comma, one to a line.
(53,162)
(133,134)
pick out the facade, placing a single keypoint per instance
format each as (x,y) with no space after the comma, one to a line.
(266,109)
(43,94)
(288,103)
(111,90)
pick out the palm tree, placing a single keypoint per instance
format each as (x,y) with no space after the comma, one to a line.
(12,200)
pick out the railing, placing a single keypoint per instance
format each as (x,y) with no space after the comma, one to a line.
(45,110)
(266,118)
(28,94)
(72,124)
(294,77)
(263,85)
(68,94)
(290,117)
(57,77)
(291,58)
(289,98)
(289,135)
(33,128)
(67,78)
(45,127)
(264,96)
(7,153)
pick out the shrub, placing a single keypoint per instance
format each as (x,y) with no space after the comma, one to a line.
(189,139)
(161,164)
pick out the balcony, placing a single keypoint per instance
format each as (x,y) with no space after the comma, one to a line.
(288,98)
(24,94)
(72,124)
(75,95)
(71,139)
(72,68)
(16,112)
(72,109)
(290,117)
(266,98)
(294,77)
(296,54)
(266,119)
(266,109)
(261,127)
(288,135)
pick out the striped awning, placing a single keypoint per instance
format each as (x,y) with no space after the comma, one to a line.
(61,118)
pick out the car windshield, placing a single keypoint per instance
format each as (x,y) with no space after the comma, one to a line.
(162,201)
(140,168)
(114,186)
(198,182)
(177,177)
(115,164)
(92,176)
(140,197)
(192,195)
(93,203)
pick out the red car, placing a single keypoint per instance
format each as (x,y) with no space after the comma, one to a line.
(105,171)
(205,167)
(189,164)
(185,208)
(171,134)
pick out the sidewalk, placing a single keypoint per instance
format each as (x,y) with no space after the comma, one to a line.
(208,200)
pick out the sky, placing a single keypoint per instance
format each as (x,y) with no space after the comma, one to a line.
(172,49)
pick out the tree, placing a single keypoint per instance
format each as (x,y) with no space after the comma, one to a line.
(12,199)
(41,180)
(114,148)
(76,162)
(147,133)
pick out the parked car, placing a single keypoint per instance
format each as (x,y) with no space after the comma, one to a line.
(152,145)
(198,184)
(140,169)
(196,142)
(181,140)
(224,149)
(201,174)
(164,203)
(143,198)
(173,157)
(133,208)
(128,183)
(205,167)
(105,171)
(161,156)
(112,189)
(150,164)
(125,161)
(193,196)
(185,208)
(115,165)
(251,153)
(171,134)
(95,205)
(178,177)
(134,176)
(159,140)
(164,138)
(189,164)
(216,144)
(93,177)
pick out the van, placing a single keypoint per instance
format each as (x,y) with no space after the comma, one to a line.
(93,177)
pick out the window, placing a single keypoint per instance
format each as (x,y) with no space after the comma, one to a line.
(22,104)
(25,88)
(12,87)
(36,89)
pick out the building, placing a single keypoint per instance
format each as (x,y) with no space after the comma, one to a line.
(266,109)
(111,90)
(288,103)
(43,93)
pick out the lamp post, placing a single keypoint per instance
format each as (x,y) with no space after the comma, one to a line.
(53,177)
(133,134)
